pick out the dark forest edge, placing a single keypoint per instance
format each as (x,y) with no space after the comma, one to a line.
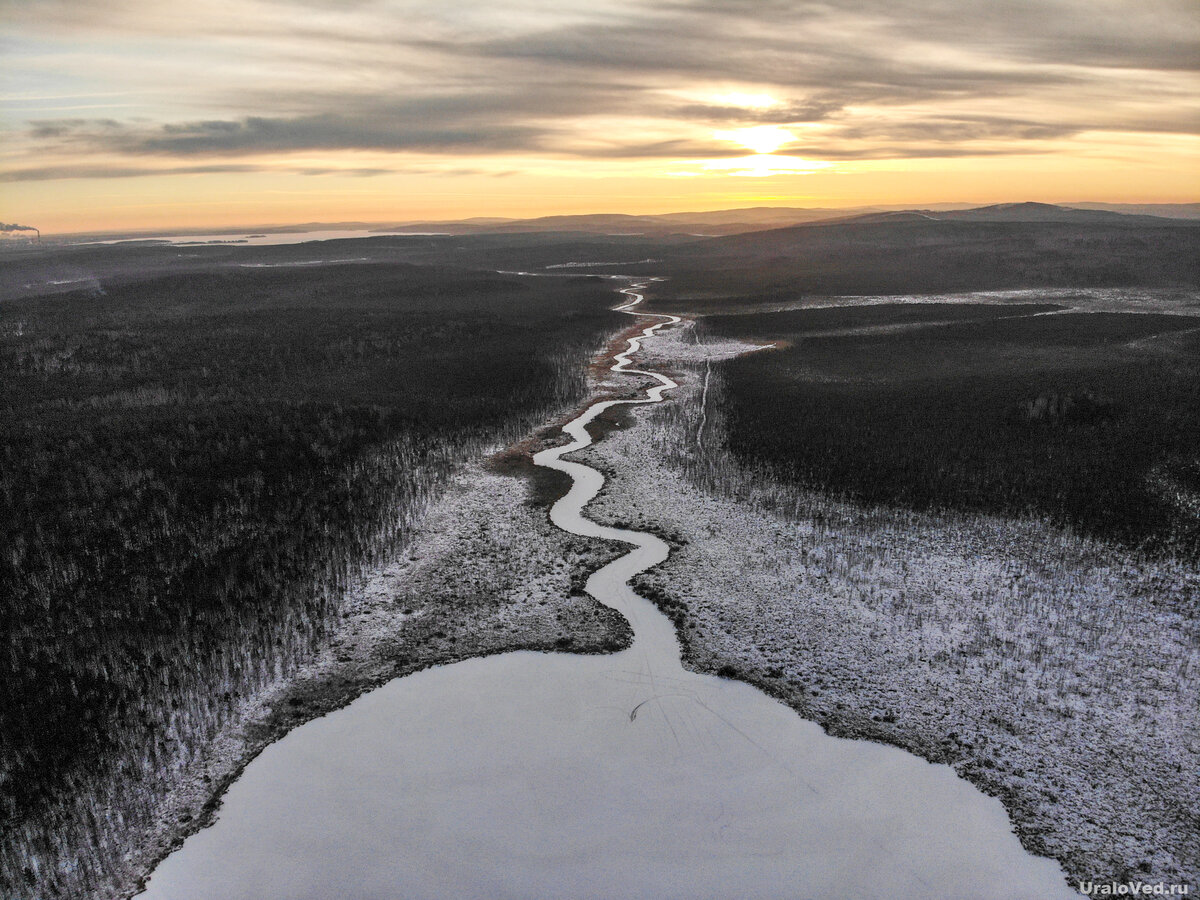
(195,467)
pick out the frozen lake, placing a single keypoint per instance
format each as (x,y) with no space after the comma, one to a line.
(252,239)
(534,775)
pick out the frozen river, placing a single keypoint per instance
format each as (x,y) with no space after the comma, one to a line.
(538,775)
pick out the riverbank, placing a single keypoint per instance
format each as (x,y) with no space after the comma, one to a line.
(1047,670)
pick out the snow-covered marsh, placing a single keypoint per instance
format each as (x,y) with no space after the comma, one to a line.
(1124,300)
(1057,673)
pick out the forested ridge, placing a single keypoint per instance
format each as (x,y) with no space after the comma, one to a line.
(192,469)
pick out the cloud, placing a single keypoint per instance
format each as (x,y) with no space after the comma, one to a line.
(222,83)
(329,131)
(962,129)
(57,172)
(815,110)
(267,135)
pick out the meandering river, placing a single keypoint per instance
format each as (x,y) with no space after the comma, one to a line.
(555,775)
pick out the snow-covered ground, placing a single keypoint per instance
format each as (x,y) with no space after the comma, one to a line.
(1124,300)
(1056,673)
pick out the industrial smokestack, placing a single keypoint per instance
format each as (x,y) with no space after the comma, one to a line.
(5,228)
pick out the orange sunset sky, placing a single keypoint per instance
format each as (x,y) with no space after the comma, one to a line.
(126,115)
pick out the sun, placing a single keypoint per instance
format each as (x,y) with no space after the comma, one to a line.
(762,139)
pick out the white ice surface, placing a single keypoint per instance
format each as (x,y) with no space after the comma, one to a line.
(523,776)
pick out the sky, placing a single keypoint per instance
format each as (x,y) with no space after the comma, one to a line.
(132,114)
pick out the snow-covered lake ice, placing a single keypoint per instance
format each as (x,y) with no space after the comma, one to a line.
(523,776)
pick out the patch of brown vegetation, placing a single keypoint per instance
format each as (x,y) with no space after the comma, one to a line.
(545,486)
(612,419)
(548,485)
(602,362)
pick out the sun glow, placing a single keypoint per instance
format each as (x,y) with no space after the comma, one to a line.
(764,165)
(761,139)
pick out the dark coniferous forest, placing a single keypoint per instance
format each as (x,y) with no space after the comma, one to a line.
(1087,419)
(192,470)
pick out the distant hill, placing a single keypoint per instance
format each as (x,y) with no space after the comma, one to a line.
(1046,212)
(713,222)
(716,223)
(1009,246)
(1029,213)
(1165,210)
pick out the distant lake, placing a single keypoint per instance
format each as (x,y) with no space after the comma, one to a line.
(258,239)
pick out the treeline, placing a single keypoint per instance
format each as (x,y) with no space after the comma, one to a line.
(192,470)
(1090,420)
